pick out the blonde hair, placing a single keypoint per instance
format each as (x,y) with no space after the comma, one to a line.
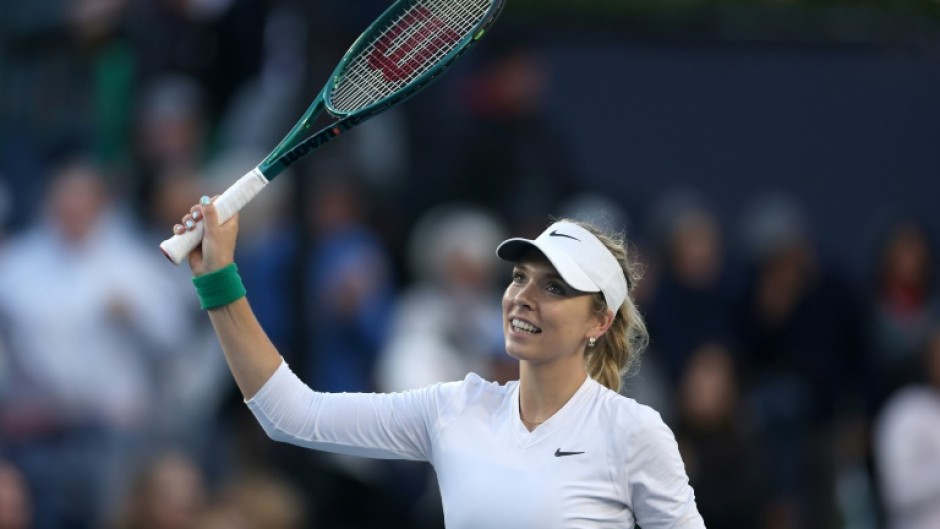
(618,349)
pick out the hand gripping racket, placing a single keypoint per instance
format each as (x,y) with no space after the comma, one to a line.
(407,47)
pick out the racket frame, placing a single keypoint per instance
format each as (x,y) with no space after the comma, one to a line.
(297,143)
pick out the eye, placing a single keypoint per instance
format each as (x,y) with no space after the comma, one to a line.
(556,288)
(517,277)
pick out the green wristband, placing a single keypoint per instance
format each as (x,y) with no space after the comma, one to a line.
(220,287)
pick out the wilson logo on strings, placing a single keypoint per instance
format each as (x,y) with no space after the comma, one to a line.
(400,61)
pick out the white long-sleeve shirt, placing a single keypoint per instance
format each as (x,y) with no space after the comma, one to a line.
(907,447)
(602,461)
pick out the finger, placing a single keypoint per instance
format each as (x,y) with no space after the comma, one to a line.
(196,212)
(189,223)
(179,229)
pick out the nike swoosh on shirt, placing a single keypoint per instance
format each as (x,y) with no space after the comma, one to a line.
(559,453)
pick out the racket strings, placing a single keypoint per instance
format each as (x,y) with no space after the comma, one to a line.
(458,11)
(392,59)
(408,46)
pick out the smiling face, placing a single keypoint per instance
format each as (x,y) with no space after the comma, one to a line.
(544,319)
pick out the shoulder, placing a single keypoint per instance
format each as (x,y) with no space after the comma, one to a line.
(627,416)
(646,466)
(638,435)
(473,391)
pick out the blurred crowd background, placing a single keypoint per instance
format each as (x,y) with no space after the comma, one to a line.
(774,164)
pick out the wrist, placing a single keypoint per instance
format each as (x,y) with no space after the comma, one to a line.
(219,287)
(212,267)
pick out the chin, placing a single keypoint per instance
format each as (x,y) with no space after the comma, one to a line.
(514,350)
(522,352)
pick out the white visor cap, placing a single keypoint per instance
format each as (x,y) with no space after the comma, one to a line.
(580,258)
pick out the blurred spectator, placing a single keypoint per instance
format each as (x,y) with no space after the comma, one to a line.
(907,446)
(718,444)
(68,78)
(219,43)
(266,501)
(512,159)
(799,326)
(170,139)
(256,500)
(86,307)
(49,84)
(349,288)
(904,306)
(690,303)
(168,492)
(99,29)
(221,515)
(171,124)
(16,510)
(448,323)
(176,189)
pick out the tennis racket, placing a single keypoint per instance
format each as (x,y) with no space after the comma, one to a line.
(407,47)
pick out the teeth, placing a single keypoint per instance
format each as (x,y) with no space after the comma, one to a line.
(520,325)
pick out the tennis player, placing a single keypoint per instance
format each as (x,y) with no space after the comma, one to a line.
(559,448)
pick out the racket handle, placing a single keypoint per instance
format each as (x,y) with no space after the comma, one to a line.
(178,247)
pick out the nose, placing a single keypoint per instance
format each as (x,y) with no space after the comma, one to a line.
(523,296)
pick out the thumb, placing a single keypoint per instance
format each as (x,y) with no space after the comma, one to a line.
(210,214)
(209,211)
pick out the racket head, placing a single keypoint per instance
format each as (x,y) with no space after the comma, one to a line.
(406,48)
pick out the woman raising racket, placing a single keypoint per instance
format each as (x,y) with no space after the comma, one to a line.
(559,448)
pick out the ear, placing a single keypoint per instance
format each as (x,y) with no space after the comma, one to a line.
(602,322)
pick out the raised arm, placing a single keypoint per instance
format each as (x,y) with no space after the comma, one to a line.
(372,425)
(251,356)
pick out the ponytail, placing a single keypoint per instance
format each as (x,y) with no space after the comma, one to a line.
(617,351)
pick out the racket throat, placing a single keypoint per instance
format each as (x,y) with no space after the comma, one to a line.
(280,161)
(318,139)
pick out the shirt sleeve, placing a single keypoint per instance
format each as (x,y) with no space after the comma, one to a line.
(657,485)
(376,425)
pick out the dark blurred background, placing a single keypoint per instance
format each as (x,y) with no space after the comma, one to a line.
(774,164)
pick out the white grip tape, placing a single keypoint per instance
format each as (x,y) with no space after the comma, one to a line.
(234,198)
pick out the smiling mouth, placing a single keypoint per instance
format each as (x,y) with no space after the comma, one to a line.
(524,326)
